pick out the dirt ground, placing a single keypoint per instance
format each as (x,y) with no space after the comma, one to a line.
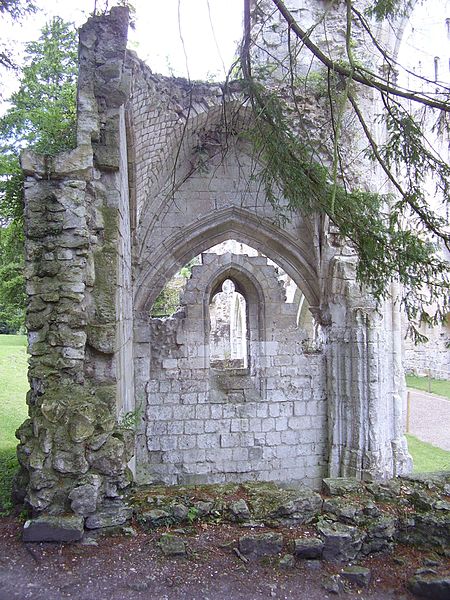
(133,567)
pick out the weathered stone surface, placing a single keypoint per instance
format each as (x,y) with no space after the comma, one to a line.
(344,510)
(156,517)
(332,584)
(287,561)
(427,530)
(109,458)
(304,505)
(308,547)
(70,462)
(84,499)
(172,545)
(380,534)
(357,575)
(340,486)
(81,427)
(203,508)
(63,528)
(261,544)
(239,510)
(431,587)
(180,512)
(268,421)
(341,542)
(112,514)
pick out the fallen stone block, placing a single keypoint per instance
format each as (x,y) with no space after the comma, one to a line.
(426,586)
(61,528)
(357,575)
(261,544)
(308,547)
(341,542)
(172,545)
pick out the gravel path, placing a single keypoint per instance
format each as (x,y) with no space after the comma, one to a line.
(430,418)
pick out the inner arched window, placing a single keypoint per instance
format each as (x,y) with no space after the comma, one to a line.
(228,328)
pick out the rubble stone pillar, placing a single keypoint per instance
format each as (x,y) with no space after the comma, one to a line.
(73,451)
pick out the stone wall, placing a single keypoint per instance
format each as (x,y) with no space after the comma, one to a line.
(431,358)
(266,422)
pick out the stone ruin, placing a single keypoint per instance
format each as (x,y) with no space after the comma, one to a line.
(160,174)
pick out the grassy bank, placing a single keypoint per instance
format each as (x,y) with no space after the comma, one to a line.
(427,457)
(441,387)
(13,410)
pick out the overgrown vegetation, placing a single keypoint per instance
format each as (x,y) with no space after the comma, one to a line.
(398,238)
(13,409)
(41,116)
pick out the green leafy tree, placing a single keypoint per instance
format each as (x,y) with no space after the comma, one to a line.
(42,116)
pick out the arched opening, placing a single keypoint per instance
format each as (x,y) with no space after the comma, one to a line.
(228,347)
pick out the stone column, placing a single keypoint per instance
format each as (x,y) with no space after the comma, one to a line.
(364,441)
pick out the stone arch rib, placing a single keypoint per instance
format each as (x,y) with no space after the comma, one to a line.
(278,245)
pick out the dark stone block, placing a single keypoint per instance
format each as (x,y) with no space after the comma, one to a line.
(63,528)
(434,588)
(262,544)
(360,576)
(308,547)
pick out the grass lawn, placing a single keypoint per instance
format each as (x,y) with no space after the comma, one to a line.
(438,386)
(427,457)
(13,410)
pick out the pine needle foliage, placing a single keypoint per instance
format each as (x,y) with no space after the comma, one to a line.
(388,248)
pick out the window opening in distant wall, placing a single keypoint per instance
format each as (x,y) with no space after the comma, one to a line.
(436,68)
(228,333)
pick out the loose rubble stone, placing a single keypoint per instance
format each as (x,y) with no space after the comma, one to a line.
(341,486)
(344,510)
(341,542)
(302,507)
(64,528)
(380,534)
(155,517)
(421,500)
(287,561)
(360,576)
(172,545)
(313,564)
(261,544)
(240,510)
(308,547)
(433,588)
(333,584)
(180,512)
(112,514)
(203,508)
(427,530)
